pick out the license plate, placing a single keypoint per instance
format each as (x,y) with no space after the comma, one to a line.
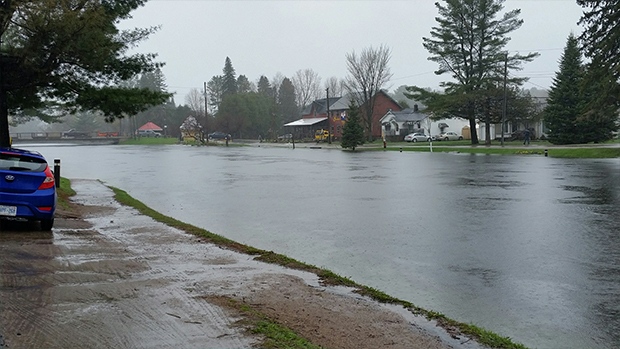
(8,210)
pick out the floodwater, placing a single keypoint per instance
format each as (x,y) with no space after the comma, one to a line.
(525,246)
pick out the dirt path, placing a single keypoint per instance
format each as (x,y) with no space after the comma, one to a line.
(107,277)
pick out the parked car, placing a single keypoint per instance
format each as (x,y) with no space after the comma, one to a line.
(219,135)
(27,187)
(449,136)
(417,137)
(73,133)
(285,138)
(148,133)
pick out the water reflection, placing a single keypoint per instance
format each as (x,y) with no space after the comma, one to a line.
(526,246)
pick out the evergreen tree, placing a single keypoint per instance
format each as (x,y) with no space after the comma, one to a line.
(264,87)
(244,85)
(600,42)
(602,34)
(72,55)
(287,107)
(215,89)
(600,113)
(154,81)
(229,83)
(469,43)
(566,102)
(353,131)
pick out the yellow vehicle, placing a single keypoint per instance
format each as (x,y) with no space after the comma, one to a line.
(321,135)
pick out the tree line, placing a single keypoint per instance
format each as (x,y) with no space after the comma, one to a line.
(77,62)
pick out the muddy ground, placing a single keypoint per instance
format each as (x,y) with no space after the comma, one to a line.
(108,277)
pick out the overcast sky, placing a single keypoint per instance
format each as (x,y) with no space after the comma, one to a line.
(267,37)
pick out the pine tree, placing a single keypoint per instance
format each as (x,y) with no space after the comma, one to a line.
(215,88)
(287,106)
(566,101)
(264,87)
(469,44)
(229,85)
(244,85)
(353,131)
(72,54)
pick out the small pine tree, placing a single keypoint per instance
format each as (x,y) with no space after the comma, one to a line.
(353,131)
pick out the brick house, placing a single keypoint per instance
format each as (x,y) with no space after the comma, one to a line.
(331,115)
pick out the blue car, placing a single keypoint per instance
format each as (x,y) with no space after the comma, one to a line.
(27,187)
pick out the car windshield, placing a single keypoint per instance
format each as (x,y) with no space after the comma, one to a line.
(18,162)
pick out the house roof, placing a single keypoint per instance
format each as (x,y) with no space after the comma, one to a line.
(305,122)
(344,102)
(405,115)
(319,106)
(150,126)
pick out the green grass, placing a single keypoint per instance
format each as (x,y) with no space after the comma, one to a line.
(509,148)
(150,141)
(64,192)
(327,277)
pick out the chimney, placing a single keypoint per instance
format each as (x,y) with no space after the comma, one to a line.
(415,108)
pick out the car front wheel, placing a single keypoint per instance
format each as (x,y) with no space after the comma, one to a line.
(460,138)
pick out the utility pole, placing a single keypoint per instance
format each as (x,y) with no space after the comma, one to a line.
(329,129)
(504,104)
(206,114)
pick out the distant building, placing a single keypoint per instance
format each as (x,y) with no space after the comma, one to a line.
(331,114)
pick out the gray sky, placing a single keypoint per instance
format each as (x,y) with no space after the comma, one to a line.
(267,37)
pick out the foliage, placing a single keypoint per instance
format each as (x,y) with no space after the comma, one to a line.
(287,107)
(600,42)
(229,82)
(469,44)
(368,72)
(244,85)
(74,59)
(246,115)
(352,132)
(264,87)
(215,90)
(602,34)
(566,101)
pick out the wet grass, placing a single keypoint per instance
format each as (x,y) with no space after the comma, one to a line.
(150,141)
(64,192)
(276,336)
(577,152)
(327,277)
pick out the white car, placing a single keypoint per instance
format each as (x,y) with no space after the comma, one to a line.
(417,137)
(449,136)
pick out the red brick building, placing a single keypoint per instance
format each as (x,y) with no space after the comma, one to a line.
(332,114)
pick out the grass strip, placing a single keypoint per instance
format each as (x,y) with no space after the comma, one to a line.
(555,152)
(275,335)
(327,277)
(150,141)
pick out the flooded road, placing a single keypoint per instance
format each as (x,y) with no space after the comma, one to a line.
(525,246)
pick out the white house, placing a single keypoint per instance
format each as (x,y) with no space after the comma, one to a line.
(398,124)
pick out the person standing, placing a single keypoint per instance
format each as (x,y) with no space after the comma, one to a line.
(526,137)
